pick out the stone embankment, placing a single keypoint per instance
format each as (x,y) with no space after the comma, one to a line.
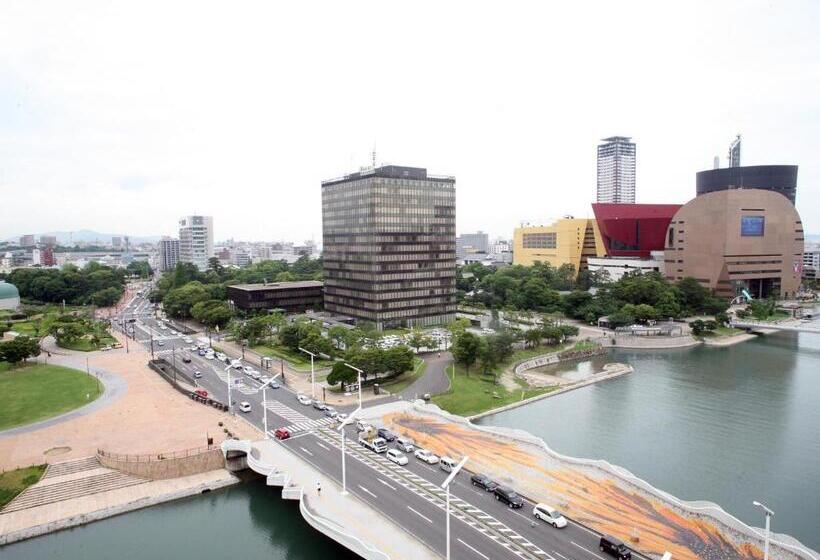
(161,466)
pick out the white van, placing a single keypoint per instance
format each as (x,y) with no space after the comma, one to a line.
(405,444)
(447,464)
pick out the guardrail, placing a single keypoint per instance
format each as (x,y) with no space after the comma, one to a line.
(150,457)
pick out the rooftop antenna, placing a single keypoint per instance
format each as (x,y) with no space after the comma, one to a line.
(374,154)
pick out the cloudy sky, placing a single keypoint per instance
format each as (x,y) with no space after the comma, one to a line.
(124,116)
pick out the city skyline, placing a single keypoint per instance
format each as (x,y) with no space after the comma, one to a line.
(85,127)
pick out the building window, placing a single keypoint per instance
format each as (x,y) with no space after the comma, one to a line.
(752,226)
(671,240)
(539,240)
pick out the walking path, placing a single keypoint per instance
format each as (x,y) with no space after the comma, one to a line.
(434,380)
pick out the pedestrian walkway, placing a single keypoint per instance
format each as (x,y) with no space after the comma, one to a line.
(309,425)
(286,412)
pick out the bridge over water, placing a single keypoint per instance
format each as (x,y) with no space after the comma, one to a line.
(753,325)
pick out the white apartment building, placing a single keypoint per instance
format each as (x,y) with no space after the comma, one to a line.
(168,254)
(196,240)
(616,170)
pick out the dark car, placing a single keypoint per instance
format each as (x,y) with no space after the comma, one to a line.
(386,434)
(509,497)
(483,481)
(186,358)
(614,547)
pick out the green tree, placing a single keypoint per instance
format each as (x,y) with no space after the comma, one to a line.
(465,349)
(697,327)
(340,373)
(533,337)
(418,340)
(19,349)
(397,360)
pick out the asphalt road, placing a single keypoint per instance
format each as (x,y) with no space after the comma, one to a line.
(481,526)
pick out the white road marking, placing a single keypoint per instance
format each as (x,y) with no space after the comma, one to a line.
(590,531)
(368,491)
(587,551)
(559,554)
(306,451)
(386,484)
(474,550)
(430,521)
(323,446)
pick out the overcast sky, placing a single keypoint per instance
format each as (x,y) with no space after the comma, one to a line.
(123,116)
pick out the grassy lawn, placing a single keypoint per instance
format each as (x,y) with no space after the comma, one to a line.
(32,393)
(471,394)
(85,345)
(297,360)
(406,379)
(14,482)
(27,328)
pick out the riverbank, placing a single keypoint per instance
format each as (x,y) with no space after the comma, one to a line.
(39,520)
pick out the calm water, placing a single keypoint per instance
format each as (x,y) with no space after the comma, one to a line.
(248,522)
(728,425)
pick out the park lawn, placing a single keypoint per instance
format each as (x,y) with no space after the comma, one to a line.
(27,328)
(85,345)
(472,394)
(36,392)
(401,382)
(297,360)
(14,482)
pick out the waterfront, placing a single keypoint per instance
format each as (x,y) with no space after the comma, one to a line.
(248,520)
(728,425)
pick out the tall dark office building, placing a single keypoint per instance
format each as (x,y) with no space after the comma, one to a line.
(778,178)
(390,246)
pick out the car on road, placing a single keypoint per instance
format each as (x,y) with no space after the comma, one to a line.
(264,380)
(198,374)
(186,358)
(188,340)
(543,512)
(209,355)
(201,352)
(447,464)
(397,456)
(274,384)
(303,400)
(245,406)
(160,343)
(508,496)
(236,364)
(281,433)
(426,456)
(319,405)
(201,393)
(484,482)
(386,434)
(362,426)
(614,547)
(174,333)
(330,412)
(247,369)
(105,348)
(341,417)
(405,444)
(219,356)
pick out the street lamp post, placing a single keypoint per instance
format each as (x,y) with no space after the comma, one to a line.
(264,400)
(769,514)
(446,486)
(312,374)
(341,428)
(228,370)
(359,381)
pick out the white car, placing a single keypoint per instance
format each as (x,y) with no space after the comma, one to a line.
(236,364)
(209,355)
(264,380)
(160,343)
(549,514)
(248,369)
(197,374)
(397,456)
(304,400)
(426,456)
(219,356)
(189,340)
(245,406)
(362,426)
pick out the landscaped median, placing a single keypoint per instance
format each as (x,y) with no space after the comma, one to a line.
(296,360)
(36,392)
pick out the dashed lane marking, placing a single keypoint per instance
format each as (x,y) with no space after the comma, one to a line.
(427,519)
(386,484)
(368,491)
(474,550)
(587,551)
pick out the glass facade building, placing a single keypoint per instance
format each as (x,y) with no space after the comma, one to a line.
(390,246)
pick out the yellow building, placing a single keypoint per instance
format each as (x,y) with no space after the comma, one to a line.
(567,241)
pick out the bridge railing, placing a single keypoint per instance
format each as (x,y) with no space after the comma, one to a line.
(148,457)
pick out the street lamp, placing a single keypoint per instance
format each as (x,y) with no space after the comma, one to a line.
(312,374)
(769,514)
(446,486)
(228,370)
(264,400)
(360,372)
(341,428)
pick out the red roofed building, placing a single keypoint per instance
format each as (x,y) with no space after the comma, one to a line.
(633,230)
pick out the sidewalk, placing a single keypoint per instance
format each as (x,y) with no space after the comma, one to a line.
(347,513)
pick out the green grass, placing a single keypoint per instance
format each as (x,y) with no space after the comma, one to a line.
(85,345)
(32,393)
(297,360)
(14,482)
(472,394)
(27,328)
(404,380)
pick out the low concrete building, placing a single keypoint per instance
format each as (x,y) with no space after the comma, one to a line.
(737,240)
(291,297)
(616,267)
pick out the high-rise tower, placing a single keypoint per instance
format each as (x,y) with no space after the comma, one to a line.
(616,170)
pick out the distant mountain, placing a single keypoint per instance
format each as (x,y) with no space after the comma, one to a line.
(89,236)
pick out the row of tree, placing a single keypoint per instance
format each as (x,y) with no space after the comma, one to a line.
(19,349)
(375,363)
(94,284)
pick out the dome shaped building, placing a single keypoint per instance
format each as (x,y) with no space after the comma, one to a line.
(9,296)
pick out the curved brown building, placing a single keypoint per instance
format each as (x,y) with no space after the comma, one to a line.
(735,240)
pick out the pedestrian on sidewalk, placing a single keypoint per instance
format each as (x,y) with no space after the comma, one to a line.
(318,488)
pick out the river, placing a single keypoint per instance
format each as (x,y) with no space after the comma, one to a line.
(728,425)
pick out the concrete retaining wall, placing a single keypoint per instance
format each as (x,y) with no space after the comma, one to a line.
(161,469)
